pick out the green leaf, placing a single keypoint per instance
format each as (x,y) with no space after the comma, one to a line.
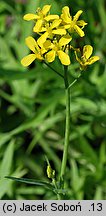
(102,153)
(77,180)
(87,105)
(6,187)
(88,151)
(7,160)
(4,137)
(31,181)
(98,193)
(30,190)
(5,168)
(16,74)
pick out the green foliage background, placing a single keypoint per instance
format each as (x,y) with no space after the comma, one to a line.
(32,107)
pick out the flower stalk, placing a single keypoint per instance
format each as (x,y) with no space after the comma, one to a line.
(53,69)
(67,127)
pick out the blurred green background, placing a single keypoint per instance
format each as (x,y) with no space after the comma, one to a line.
(32,107)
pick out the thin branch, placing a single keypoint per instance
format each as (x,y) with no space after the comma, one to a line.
(54,70)
(71,84)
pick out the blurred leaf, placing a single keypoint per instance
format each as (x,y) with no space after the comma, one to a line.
(98,193)
(7,186)
(6,56)
(88,151)
(6,166)
(77,181)
(4,6)
(30,190)
(4,137)
(102,153)
(86,104)
(7,160)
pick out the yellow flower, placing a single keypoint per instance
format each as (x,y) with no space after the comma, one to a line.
(38,51)
(56,49)
(85,59)
(41,16)
(73,24)
(50,30)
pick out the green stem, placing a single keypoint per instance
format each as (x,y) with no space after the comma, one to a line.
(54,70)
(67,129)
(71,84)
(58,195)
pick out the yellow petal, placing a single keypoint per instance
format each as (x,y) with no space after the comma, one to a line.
(65,10)
(87,51)
(93,59)
(46,9)
(64,58)
(38,26)
(66,14)
(27,60)
(65,40)
(79,30)
(67,26)
(30,16)
(31,43)
(59,31)
(50,56)
(81,23)
(42,39)
(55,23)
(77,15)
(42,51)
(43,29)
(51,17)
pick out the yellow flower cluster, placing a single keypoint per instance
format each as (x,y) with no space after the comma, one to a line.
(54,36)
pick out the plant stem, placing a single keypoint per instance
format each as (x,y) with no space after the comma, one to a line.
(54,70)
(58,195)
(67,128)
(71,84)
